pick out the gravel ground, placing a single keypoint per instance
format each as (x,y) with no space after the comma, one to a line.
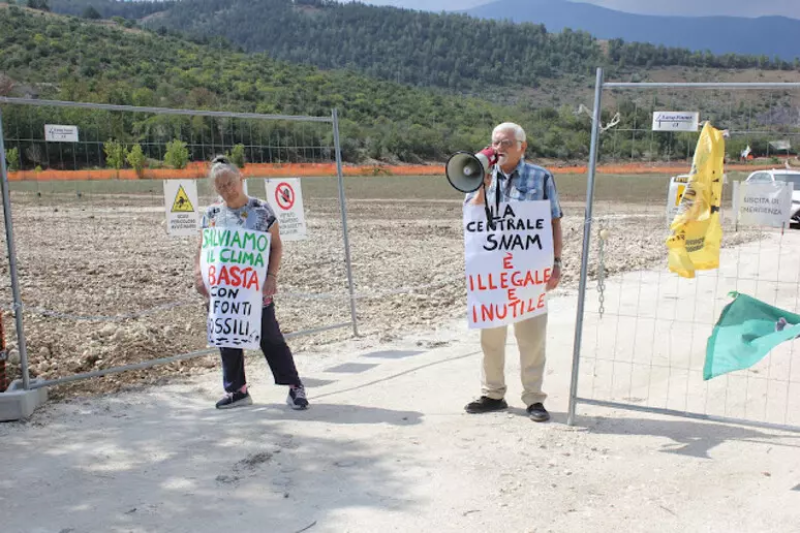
(89,256)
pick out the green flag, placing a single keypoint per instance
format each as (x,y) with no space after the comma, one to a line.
(746,331)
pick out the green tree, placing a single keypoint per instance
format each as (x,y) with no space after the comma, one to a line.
(136,159)
(115,154)
(237,155)
(91,13)
(13,159)
(177,155)
(41,5)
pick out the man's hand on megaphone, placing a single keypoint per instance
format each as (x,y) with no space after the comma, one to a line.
(487,181)
(491,155)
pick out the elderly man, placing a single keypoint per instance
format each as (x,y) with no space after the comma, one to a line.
(513,178)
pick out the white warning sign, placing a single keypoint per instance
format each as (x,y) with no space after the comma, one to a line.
(676,120)
(59,133)
(677,186)
(286,199)
(763,204)
(180,202)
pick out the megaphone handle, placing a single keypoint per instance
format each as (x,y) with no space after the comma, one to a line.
(480,195)
(489,213)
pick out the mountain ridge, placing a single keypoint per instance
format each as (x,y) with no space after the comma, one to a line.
(718,34)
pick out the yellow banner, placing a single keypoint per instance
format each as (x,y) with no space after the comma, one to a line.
(696,232)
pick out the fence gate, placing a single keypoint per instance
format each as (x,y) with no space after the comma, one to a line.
(99,282)
(641,331)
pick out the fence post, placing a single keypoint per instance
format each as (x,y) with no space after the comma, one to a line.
(587,237)
(342,204)
(12,262)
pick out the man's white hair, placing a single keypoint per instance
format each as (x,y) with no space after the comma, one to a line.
(519,133)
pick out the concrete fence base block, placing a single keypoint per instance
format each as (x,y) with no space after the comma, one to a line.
(17,403)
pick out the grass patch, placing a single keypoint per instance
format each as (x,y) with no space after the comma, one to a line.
(650,189)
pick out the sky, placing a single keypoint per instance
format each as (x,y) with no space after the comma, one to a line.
(740,8)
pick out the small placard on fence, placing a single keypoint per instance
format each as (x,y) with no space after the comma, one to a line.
(180,203)
(60,134)
(286,199)
(676,121)
(677,186)
(763,204)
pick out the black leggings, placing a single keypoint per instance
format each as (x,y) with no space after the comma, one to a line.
(277,352)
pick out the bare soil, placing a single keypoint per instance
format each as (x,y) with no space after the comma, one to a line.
(103,285)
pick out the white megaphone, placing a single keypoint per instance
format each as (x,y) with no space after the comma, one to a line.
(465,171)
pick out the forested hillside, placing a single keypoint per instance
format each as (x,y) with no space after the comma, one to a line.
(108,8)
(421,48)
(66,58)
(52,56)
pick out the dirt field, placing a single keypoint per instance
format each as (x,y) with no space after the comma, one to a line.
(386,445)
(104,285)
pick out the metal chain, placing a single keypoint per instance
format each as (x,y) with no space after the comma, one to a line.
(601,283)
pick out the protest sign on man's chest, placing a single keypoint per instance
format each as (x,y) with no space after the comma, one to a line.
(507,266)
(234,263)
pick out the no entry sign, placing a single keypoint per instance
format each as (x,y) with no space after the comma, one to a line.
(286,199)
(284,196)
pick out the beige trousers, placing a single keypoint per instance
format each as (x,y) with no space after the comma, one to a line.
(531,337)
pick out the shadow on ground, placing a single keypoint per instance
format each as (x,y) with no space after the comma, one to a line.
(694,439)
(177,464)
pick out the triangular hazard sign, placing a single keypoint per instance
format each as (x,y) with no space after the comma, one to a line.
(182,203)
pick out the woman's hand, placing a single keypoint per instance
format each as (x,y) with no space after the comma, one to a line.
(270,285)
(201,288)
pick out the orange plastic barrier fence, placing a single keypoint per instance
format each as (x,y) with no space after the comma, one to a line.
(199,170)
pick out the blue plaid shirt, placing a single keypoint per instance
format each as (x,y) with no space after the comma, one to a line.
(527,182)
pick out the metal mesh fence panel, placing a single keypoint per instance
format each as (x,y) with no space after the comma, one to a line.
(642,335)
(104,285)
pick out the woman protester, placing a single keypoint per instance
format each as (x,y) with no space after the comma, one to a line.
(235,209)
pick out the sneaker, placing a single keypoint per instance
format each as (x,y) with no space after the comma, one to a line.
(297,398)
(235,399)
(538,413)
(484,404)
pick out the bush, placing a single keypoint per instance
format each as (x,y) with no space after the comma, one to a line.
(13,159)
(237,155)
(115,154)
(177,155)
(137,160)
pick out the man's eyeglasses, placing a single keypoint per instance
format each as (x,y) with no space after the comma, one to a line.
(504,144)
(221,159)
